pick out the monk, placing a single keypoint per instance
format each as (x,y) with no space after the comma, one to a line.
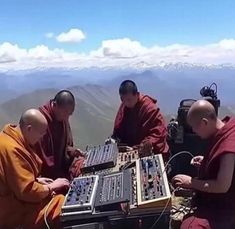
(56,147)
(215,186)
(24,195)
(139,122)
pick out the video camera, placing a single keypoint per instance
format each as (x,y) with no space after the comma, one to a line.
(179,126)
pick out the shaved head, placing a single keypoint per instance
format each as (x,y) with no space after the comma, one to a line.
(33,125)
(201,109)
(32,117)
(203,119)
(63,105)
(64,98)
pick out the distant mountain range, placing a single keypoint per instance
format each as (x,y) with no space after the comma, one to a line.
(169,83)
(96,92)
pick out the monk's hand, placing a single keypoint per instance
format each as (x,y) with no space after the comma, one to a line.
(124,148)
(125,208)
(75,152)
(182,181)
(145,148)
(78,153)
(196,161)
(59,184)
(44,180)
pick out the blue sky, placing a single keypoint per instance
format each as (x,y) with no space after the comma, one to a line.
(162,22)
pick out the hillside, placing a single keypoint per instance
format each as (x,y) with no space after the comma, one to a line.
(92,121)
(93,117)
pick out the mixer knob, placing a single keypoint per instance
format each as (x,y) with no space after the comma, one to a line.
(150,181)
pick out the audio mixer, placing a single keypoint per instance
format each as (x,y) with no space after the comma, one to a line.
(100,157)
(81,195)
(152,184)
(113,189)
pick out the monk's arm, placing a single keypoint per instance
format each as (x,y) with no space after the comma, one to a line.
(224,178)
(154,122)
(21,180)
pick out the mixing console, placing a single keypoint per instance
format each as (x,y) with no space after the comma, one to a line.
(113,189)
(152,184)
(100,157)
(81,195)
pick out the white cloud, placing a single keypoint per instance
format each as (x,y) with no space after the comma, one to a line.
(120,53)
(11,53)
(122,48)
(73,36)
(49,35)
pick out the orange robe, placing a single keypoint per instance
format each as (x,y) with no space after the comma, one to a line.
(23,200)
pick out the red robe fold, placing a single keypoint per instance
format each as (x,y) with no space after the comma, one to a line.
(142,123)
(215,209)
(53,147)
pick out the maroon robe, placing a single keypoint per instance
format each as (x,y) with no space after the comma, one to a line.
(215,210)
(52,149)
(142,123)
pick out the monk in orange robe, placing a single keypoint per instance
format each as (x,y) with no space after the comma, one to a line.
(215,185)
(56,147)
(139,122)
(25,197)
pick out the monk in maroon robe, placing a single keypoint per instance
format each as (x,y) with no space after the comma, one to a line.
(56,148)
(215,186)
(139,122)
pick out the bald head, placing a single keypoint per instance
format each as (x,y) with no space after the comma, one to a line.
(64,98)
(32,117)
(202,118)
(63,105)
(201,109)
(33,125)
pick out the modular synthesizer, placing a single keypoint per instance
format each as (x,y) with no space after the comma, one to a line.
(152,184)
(113,189)
(100,157)
(81,195)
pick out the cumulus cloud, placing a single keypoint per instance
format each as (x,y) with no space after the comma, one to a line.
(122,48)
(72,36)
(120,53)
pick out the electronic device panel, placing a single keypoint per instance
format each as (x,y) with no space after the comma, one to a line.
(100,157)
(152,184)
(81,195)
(113,189)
